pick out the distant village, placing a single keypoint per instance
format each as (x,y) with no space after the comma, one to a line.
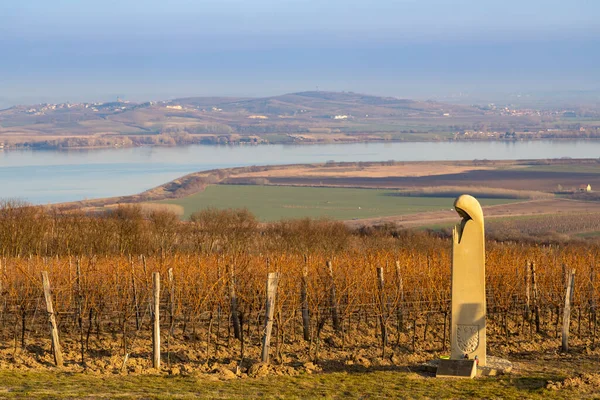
(116,106)
(177,122)
(526,134)
(124,105)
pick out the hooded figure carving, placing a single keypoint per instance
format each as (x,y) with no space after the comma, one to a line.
(468,282)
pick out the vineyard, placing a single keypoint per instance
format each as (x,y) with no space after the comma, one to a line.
(548,226)
(344,297)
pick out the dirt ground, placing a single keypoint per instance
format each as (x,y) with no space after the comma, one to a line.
(540,369)
(357,350)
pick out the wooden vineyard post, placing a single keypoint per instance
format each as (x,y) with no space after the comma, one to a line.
(536,299)
(272,281)
(382,310)
(235,316)
(2,273)
(58,358)
(218,338)
(156,320)
(335,316)
(527,292)
(593,319)
(567,311)
(400,301)
(80,310)
(171,301)
(135,294)
(171,313)
(304,301)
(1,310)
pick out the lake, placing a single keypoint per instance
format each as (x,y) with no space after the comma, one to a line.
(51,176)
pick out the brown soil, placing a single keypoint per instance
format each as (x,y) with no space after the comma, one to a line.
(359,351)
(502,179)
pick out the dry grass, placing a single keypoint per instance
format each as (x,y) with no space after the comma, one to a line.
(394,383)
(150,207)
(477,191)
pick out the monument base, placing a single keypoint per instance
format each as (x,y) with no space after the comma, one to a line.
(495,366)
(456,369)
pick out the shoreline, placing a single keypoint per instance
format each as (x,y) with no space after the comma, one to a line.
(196,182)
(30,147)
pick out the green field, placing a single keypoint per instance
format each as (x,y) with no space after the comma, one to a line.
(270,203)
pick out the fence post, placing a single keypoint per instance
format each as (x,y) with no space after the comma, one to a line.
(527,292)
(156,320)
(2,309)
(80,310)
(171,301)
(58,358)
(171,313)
(304,301)
(135,294)
(235,317)
(333,298)
(536,304)
(567,311)
(272,281)
(382,310)
(592,296)
(400,301)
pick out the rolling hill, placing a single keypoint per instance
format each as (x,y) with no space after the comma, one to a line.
(303,117)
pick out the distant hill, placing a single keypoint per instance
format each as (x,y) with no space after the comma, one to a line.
(304,117)
(328,102)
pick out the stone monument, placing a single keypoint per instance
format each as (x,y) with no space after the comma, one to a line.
(468,356)
(467,338)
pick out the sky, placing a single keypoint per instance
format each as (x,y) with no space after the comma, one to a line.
(73,50)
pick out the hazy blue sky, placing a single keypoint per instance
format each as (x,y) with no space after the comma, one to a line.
(71,50)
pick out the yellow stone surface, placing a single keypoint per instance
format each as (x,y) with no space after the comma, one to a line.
(468,282)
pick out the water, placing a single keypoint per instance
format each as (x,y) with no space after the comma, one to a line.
(48,176)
